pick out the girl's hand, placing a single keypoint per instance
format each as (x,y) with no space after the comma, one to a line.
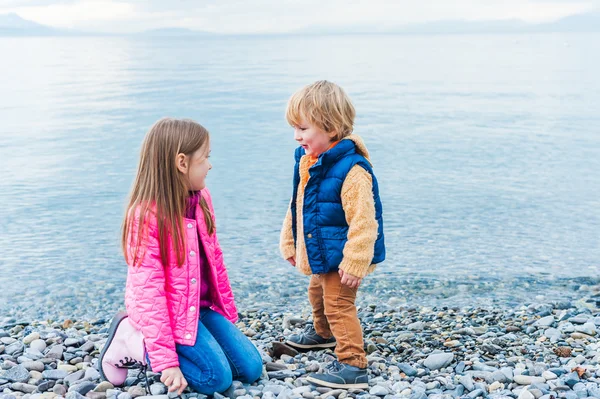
(350,280)
(292,260)
(174,380)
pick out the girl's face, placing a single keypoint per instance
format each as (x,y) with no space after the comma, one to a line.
(196,167)
(314,140)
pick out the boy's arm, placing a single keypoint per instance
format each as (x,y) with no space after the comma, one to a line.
(359,207)
(286,238)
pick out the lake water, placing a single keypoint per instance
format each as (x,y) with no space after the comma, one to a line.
(486,147)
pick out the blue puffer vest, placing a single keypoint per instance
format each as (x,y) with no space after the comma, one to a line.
(324,221)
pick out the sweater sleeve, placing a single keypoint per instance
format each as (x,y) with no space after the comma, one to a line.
(286,239)
(359,207)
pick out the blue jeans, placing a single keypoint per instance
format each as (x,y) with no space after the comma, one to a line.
(220,355)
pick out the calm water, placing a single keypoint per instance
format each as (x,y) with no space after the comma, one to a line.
(487,149)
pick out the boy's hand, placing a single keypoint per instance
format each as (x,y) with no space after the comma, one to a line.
(174,379)
(350,280)
(292,260)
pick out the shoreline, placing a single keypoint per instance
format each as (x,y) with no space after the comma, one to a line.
(542,350)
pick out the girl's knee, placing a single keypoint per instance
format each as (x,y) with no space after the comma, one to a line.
(222,381)
(252,369)
(218,381)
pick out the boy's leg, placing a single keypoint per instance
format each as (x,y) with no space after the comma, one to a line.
(204,365)
(340,309)
(317,335)
(242,355)
(315,297)
(350,370)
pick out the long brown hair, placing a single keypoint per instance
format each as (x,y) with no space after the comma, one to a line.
(160,187)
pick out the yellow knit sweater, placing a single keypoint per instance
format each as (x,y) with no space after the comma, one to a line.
(359,206)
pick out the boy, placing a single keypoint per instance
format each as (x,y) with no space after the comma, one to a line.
(333,229)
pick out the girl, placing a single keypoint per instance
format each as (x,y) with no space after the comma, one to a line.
(180,306)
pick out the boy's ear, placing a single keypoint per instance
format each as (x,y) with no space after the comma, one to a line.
(333,135)
(182,163)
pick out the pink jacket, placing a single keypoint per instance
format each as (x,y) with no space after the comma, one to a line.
(163,302)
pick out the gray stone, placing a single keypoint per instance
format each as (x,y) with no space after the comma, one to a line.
(38,345)
(407,369)
(467,382)
(88,347)
(416,326)
(74,395)
(476,393)
(275,389)
(25,388)
(138,391)
(95,395)
(544,322)
(71,342)
(437,361)
(158,389)
(104,386)
(74,377)
(553,334)
(45,386)
(571,379)
(54,374)
(579,319)
(56,352)
(16,374)
(379,391)
(528,380)
(33,366)
(499,376)
(60,390)
(525,394)
(83,387)
(15,348)
(91,374)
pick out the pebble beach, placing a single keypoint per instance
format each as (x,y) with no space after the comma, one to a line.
(540,350)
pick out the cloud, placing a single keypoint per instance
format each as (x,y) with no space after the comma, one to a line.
(235,16)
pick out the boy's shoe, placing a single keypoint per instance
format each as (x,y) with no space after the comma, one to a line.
(124,350)
(340,375)
(309,339)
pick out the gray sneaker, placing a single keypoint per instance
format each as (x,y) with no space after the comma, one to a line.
(309,339)
(340,375)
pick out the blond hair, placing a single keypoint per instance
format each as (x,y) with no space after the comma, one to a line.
(325,105)
(160,188)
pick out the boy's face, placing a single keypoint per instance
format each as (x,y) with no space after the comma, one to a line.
(314,140)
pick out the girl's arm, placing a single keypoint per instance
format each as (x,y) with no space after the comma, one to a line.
(359,207)
(222,277)
(147,303)
(224,285)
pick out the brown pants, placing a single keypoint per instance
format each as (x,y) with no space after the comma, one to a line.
(334,313)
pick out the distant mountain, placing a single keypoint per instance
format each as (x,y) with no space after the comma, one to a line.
(170,32)
(462,27)
(588,22)
(13,25)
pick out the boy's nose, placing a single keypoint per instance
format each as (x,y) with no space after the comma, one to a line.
(297,135)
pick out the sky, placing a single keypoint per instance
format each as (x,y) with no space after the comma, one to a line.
(272,16)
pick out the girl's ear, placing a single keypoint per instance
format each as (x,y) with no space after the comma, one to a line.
(182,163)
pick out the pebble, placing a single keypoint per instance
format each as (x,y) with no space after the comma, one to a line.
(535,351)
